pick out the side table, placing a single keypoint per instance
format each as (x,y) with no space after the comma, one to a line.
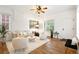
(56,34)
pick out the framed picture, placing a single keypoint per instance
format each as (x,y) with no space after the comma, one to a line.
(33,24)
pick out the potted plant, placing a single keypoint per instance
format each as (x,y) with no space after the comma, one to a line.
(2,31)
(50,27)
(51,33)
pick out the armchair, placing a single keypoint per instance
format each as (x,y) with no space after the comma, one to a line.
(19,45)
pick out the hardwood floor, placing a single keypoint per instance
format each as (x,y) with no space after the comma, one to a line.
(54,46)
(3,48)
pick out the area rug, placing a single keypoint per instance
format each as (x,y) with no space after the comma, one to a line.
(30,46)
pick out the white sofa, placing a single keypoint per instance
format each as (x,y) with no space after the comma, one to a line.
(8,36)
(43,36)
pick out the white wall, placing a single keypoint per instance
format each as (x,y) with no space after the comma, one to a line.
(66,20)
(22,17)
(63,19)
(77,30)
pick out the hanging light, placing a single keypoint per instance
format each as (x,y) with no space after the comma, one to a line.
(39,9)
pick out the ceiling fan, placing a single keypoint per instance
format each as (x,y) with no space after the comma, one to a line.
(39,9)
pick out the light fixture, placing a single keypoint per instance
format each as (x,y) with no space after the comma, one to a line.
(39,9)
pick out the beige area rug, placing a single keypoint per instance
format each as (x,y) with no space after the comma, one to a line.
(30,46)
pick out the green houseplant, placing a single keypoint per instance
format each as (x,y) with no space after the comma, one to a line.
(50,27)
(2,31)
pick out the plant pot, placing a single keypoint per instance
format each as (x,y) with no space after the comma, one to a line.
(51,34)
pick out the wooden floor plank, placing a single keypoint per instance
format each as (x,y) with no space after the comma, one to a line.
(54,46)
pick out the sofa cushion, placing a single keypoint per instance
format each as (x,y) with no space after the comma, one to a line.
(8,36)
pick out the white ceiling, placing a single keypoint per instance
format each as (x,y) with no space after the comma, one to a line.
(51,8)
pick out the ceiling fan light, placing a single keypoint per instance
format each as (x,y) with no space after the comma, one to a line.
(39,9)
(38,12)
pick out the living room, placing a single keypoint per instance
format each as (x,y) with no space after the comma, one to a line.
(31,22)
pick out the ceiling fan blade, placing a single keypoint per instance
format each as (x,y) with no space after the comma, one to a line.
(38,12)
(45,8)
(32,9)
(42,11)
